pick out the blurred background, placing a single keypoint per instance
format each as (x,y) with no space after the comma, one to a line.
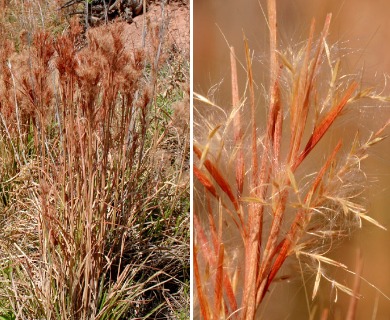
(362,30)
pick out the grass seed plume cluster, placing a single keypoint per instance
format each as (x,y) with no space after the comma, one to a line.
(256,204)
(93,176)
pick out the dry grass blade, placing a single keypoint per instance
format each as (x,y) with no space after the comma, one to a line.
(254,152)
(240,167)
(218,283)
(219,179)
(323,127)
(356,288)
(205,181)
(200,295)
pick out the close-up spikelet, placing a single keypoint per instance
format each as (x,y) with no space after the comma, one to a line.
(277,187)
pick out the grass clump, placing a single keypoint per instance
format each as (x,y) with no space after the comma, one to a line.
(93,179)
(258,203)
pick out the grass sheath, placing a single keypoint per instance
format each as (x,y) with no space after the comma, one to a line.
(256,204)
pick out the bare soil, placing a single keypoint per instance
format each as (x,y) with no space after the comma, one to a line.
(173,20)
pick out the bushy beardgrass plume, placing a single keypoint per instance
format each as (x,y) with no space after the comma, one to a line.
(93,172)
